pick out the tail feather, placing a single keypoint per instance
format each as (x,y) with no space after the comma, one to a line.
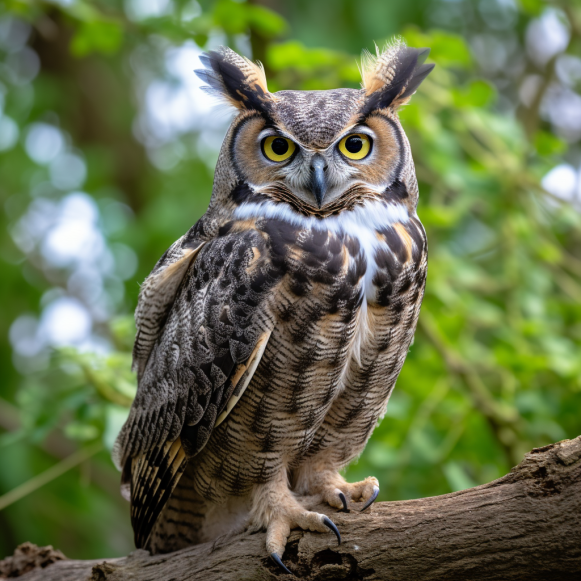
(181,522)
(154,475)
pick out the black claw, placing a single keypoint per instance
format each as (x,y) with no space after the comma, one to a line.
(372,499)
(278,561)
(344,501)
(329,523)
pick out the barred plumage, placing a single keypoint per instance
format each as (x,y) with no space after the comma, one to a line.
(271,335)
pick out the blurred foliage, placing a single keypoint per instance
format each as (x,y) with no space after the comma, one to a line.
(495,367)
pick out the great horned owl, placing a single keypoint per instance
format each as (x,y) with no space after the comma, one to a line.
(270,336)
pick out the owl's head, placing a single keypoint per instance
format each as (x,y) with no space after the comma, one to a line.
(319,152)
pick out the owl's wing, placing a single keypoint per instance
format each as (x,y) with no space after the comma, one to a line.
(157,295)
(207,348)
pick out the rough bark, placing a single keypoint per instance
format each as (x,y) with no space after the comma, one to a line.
(526,525)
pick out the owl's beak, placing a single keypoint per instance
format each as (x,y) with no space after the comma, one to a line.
(319,178)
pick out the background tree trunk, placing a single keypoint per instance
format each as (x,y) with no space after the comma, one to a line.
(526,525)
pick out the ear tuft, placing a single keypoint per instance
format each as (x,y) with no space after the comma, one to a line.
(237,79)
(393,75)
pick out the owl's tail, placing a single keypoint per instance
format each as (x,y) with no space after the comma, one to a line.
(181,521)
(153,477)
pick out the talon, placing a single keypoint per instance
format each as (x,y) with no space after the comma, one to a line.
(372,499)
(279,562)
(329,523)
(344,501)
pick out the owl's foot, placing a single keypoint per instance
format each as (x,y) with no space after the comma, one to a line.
(280,527)
(338,493)
(278,511)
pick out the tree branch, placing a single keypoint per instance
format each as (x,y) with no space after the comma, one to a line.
(526,525)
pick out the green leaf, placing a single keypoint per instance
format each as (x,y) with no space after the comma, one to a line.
(294,54)
(457,477)
(548,144)
(100,36)
(81,431)
(232,16)
(446,49)
(265,21)
(478,93)
(532,7)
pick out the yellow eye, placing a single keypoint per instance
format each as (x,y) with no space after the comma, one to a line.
(355,146)
(278,148)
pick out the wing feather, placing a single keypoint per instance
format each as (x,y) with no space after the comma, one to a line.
(157,295)
(242,376)
(155,475)
(212,327)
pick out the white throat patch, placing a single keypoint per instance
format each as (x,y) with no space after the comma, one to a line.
(371,215)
